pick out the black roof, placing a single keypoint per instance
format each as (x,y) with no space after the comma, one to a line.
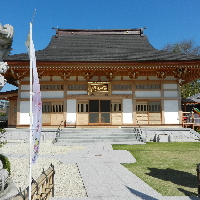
(101,45)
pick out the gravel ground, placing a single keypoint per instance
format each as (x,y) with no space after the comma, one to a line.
(68,182)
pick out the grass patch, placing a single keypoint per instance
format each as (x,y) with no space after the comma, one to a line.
(169,168)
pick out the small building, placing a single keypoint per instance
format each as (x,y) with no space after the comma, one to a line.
(102,78)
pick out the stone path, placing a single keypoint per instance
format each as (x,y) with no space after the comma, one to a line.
(106,179)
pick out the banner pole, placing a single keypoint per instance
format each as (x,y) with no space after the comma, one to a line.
(31,113)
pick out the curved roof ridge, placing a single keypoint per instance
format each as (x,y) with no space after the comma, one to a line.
(67,46)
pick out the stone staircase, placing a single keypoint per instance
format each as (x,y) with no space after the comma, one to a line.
(175,134)
(99,135)
(131,135)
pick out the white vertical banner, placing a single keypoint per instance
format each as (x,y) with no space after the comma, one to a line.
(35,100)
(35,108)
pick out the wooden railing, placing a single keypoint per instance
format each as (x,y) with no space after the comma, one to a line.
(190,119)
(42,188)
(59,129)
(138,132)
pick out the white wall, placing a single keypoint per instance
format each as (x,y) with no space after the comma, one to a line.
(94,78)
(24,112)
(25,87)
(72,78)
(103,78)
(153,78)
(170,78)
(25,94)
(71,111)
(171,112)
(169,86)
(142,78)
(45,78)
(126,78)
(127,111)
(117,78)
(45,94)
(56,78)
(81,78)
(121,92)
(170,93)
(147,93)
(76,92)
(52,94)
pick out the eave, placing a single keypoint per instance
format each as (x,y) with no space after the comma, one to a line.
(9,95)
(184,70)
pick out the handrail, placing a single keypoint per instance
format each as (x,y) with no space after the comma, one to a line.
(42,188)
(139,132)
(58,131)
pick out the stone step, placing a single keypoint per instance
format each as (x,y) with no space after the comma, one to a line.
(96,141)
(98,130)
(96,135)
(91,135)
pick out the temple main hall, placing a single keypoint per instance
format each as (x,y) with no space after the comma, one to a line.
(101,78)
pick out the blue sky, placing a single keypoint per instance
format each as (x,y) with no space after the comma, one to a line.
(167,21)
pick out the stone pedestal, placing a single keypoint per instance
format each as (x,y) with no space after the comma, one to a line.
(162,138)
(7,187)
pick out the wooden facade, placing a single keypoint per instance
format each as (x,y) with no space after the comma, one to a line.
(94,84)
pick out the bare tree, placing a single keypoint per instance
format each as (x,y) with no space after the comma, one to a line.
(187,47)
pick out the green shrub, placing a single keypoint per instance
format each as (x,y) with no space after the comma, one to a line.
(6,162)
(198,129)
(2,114)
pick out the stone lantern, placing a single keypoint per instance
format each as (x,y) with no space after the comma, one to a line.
(7,187)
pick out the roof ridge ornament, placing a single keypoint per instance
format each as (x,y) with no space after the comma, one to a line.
(135,31)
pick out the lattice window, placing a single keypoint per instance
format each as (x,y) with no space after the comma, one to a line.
(148,87)
(52,107)
(57,107)
(154,106)
(51,87)
(46,107)
(122,87)
(82,106)
(141,107)
(77,87)
(151,106)
(116,106)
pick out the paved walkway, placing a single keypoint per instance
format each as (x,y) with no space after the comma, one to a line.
(106,179)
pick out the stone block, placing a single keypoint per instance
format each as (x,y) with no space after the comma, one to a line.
(163,138)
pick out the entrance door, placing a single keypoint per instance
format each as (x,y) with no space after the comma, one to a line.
(99,112)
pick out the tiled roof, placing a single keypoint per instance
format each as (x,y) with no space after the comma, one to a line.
(101,45)
(196,96)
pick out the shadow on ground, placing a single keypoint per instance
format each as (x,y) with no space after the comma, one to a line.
(140,194)
(187,193)
(175,176)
